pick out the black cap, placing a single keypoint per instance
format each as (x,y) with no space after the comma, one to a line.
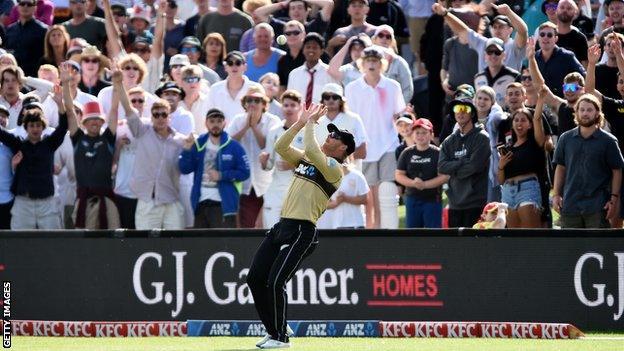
(169,86)
(215,113)
(120,8)
(345,137)
(315,37)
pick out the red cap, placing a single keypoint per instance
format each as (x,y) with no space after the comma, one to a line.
(423,123)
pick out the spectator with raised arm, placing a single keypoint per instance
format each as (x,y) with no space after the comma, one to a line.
(501,27)
(346,73)
(155,178)
(607,73)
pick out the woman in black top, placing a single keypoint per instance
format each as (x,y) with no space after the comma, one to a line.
(519,165)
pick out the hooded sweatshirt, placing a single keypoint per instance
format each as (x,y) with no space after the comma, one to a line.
(466,159)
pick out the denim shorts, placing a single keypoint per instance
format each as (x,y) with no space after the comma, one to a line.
(525,192)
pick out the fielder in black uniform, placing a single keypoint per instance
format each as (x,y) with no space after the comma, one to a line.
(317,175)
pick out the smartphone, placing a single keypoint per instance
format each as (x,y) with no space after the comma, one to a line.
(503,149)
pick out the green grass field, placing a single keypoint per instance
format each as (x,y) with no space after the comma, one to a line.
(594,342)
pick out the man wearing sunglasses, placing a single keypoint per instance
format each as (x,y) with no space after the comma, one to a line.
(155,177)
(318,175)
(501,27)
(496,75)
(25,37)
(465,158)
(553,61)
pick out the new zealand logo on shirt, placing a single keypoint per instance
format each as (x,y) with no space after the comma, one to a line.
(307,171)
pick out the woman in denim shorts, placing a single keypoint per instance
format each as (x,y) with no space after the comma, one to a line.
(520,163)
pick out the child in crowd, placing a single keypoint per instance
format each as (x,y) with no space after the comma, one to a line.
(494,216)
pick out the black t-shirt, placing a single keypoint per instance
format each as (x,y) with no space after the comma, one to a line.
(93,159)
(614,113)
(565,118)
(527,158)
(574,41)
(585,25)
(421,164)
(94,90)
(606,81)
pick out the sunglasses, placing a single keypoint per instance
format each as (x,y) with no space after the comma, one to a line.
(137,101)
(27,4)
(545,34)
(551,7)
(523,78)
(331,97)
(92,60)
(494,52)
(234,63)
(292,32)
(133,68)
(160,114)
(253,100)
(462,109)
(384,36)
(571,88)
(188,50)
(192,79)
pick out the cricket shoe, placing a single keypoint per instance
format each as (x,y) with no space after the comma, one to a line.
(275,344)
(266,338)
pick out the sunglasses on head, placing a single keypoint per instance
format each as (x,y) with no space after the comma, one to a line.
(494,52)
(193,79)
(462,109)
(137,101)
(234,62)
(189,50)
(27,4)
(292,32)
(523,78)
(384,36)
(571,88)
(331,97)
(546,34)
(253,100)
(160,114)
(90,60)
(129,68)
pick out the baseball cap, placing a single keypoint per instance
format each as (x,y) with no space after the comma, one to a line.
(169,86)
(215,113)
(179,60)
(344,136)
(496,42)
(333,88)
(423,123)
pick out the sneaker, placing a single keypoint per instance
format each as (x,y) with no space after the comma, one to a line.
(289,331)
(263,340)
(275,344)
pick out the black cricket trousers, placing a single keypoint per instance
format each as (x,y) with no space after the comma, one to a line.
(276,260)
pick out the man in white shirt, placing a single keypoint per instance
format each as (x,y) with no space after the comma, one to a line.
(333,98)
(271,160)
(377,100)
(310,78)
(250,130)
(227,94)
(194,99)
(11,81)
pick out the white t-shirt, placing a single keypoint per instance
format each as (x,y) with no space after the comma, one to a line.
(182,121)
(377,106)
(260,179)
(209,189)
(346,215)
(105,97)
(219,97)
(344,120)
(199,108)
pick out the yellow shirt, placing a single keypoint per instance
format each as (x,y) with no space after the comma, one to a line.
(316,176)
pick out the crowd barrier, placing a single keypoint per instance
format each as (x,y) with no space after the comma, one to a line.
(559,276)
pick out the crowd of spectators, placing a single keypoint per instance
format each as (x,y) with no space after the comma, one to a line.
(145,114)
